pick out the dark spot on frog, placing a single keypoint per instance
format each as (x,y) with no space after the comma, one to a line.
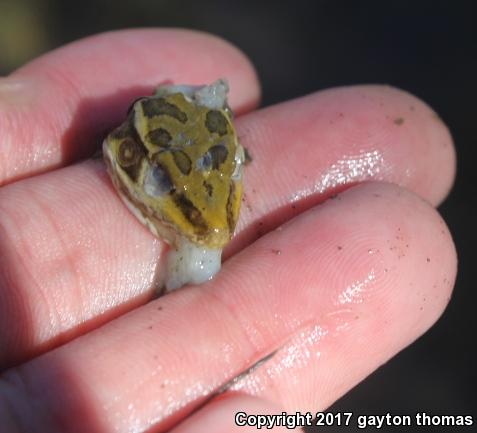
(218,154)
(398,121)
(215,121)
(159,137)
(182,161)
(229,208)
(208,187)
(191,213)
(159,106)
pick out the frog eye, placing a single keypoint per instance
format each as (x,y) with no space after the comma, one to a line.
(129,153)
(157,181)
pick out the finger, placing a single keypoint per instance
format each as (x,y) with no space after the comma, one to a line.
(376,264)
(233,413)
(312,147)
(57,108)
(85,255)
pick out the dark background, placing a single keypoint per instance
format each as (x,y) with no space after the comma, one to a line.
(427,48)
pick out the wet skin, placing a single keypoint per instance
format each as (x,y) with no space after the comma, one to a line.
(339,254)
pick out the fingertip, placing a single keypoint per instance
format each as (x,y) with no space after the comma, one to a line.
(369,272)
(417,138)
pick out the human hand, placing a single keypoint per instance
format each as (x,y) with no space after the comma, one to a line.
(332,267)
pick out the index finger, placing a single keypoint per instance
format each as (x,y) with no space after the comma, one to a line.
(57,108)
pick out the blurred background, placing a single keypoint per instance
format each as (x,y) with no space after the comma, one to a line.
(426,47)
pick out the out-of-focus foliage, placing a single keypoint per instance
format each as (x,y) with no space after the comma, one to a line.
(23,31)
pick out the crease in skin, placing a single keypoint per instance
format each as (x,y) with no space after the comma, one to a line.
(364,165)
(198,390)
(354,292)
(297,353)
(171,404)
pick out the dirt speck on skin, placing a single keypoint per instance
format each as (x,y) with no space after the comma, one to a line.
(428,259)
(398,121)
(339,247)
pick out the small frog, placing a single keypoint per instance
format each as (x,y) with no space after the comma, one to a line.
(177,164)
